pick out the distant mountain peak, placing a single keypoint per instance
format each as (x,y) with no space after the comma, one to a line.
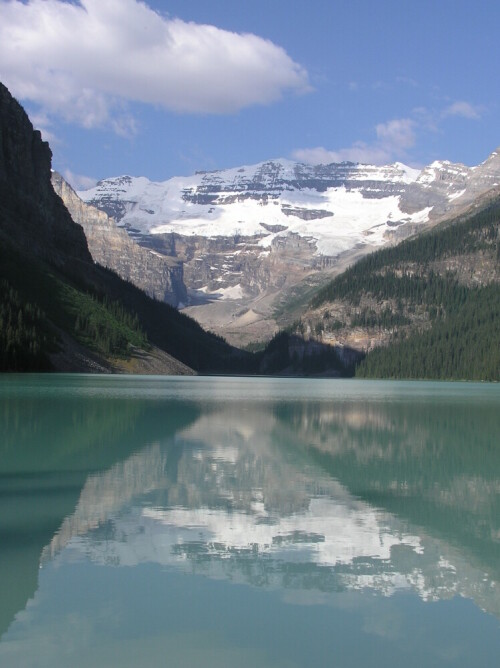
(254,230)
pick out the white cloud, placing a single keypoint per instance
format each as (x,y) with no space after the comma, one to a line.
(396,134)
(42,122)
(393,140)
(358,152)
(463,109)
(78,181)
(433,119)
(83,60)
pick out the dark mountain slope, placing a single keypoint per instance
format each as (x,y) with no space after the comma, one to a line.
(31,216)
(53,296)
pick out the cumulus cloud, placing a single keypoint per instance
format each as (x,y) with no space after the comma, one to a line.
(463,109)
(396,134)
(84,60)
(393,140)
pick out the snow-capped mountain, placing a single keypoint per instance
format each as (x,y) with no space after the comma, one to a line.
(246,236)
(331,205)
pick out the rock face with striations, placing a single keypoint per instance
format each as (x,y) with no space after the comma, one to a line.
(26,193)
(158,275)
(253,240)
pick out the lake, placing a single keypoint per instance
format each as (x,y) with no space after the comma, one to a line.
(149,521)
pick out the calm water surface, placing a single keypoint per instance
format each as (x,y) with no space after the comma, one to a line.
(248,522)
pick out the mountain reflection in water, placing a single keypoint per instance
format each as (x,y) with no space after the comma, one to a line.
(331,487)
(310,496)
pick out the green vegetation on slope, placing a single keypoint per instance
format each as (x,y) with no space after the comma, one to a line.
(291,355)
(465,345)
(54,296)
(35,303)
(103,313)
(23,337)
(443,317)
(377,273)
(176,333)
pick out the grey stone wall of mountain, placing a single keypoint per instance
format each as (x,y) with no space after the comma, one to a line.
(26,194)
(254,240)
(47,263)
(158,275)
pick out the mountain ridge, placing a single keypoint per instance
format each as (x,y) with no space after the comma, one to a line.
(249,235)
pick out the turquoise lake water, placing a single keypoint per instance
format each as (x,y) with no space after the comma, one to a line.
(149,521)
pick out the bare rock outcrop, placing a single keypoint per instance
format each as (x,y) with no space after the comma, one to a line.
(26,194)
(158,275)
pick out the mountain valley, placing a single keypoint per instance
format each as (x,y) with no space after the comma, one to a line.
(311,268)
(250,245)
(60,310)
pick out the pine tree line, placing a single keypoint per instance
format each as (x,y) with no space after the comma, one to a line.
(441,327)
(371,273)
(464,345)
(106,326)
(23,341)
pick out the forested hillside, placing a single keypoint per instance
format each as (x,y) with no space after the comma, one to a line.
(427,308)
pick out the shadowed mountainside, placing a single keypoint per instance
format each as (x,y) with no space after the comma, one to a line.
(57,303)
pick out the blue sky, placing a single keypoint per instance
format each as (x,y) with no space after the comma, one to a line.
(165,88)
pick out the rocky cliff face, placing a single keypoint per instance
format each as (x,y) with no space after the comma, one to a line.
(250,237)
(160,276)
(46,264)
(26,193)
